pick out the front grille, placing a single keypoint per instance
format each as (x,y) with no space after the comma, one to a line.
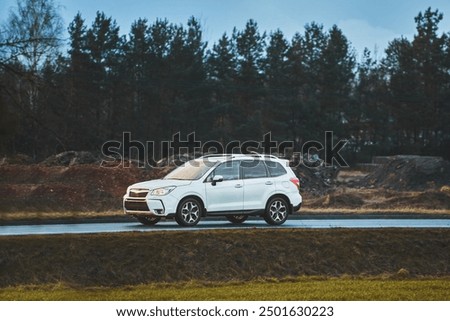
(138,192)
(131,205)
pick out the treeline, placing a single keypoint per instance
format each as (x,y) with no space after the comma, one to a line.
(163,78)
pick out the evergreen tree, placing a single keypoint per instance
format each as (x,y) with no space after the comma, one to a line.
(222,70)
(429,56)
(278,113)
(399,66)
(250,49)
(370,119)
(314,42)
(299,84)
(417,74)
(159,80)
(78,78)
(135,75)
(187,79)
(104,48)
(336,72)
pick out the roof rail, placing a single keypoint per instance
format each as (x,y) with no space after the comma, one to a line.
(251,154)
(217,155)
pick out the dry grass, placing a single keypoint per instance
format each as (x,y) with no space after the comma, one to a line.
(6,218)
(141,258)
(369,200)
(64,215)
(364,211)
(298,289)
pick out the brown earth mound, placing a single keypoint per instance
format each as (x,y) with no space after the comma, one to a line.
(316,180)
(68,188)
(16,159)
(75,181)
(417,182)
(375,199)
(409,172)
(72,158)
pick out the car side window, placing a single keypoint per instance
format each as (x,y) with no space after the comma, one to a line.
(275,169)
(228,170)
(253,169)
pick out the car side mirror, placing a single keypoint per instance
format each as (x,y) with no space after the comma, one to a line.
(216,178)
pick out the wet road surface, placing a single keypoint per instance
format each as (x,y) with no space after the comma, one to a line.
(85,228)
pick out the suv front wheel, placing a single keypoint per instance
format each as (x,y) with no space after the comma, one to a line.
(189,212)
(277,211)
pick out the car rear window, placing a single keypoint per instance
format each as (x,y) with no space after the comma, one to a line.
(275,169)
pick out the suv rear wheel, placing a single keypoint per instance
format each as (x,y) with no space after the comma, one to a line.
(277,211)
(189,212)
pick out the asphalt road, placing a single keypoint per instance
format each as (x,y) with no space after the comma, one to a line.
(84,228)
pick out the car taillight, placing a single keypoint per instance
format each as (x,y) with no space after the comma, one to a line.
(295,181)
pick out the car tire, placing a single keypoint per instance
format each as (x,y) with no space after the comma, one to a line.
(189,212)
(237,219)
(147,219)
(277,211)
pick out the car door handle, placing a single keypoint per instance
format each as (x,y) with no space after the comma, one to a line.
(238,185)
(269,183)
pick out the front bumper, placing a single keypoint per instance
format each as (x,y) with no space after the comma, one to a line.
(148,206)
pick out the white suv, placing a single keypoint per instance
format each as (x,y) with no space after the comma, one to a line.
(234,186)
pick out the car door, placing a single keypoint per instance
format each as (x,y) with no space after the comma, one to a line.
(257,185)
(227,195)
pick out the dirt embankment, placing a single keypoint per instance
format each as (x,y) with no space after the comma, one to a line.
(76,182)
(87,187)
(408,173)
(392,182)
(139,258)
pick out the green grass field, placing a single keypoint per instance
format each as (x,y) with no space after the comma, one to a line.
(298,289)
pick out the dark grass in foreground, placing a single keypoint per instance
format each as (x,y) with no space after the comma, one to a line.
(298,289)
(124,259)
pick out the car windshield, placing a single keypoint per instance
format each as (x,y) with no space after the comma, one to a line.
(191,170)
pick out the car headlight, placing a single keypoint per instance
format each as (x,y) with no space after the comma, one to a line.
(162,191)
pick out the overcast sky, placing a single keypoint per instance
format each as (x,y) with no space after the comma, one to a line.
(366,23)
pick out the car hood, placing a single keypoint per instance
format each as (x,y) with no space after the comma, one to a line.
(158,183)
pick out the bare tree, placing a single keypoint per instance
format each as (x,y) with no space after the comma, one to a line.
(29,40)
(33,32)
